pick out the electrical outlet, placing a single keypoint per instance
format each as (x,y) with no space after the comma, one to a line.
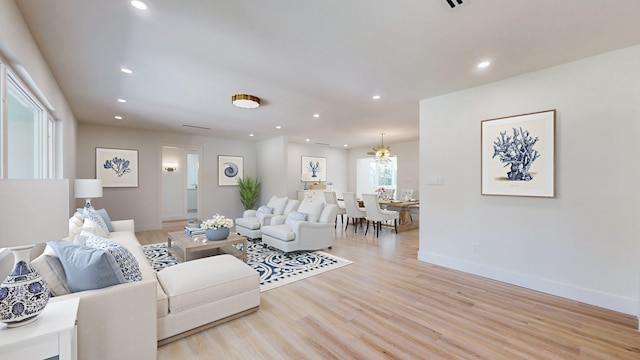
(476,247)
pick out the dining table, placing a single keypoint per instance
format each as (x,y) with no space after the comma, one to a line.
(405,223)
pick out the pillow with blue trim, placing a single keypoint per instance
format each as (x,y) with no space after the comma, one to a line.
(127,262)
(295,217)
(87,268)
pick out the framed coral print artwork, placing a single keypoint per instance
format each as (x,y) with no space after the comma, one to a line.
(229,170)
(117,167)
(518,155)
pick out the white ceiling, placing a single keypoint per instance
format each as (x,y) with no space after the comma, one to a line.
(304,57)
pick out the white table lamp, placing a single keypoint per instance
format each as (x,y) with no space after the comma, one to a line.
(87,189)
(33,212)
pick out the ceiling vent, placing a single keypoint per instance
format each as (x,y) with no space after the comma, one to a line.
(454,3)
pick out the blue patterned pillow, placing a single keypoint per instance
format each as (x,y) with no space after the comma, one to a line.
(91,214)
(127,262)
(295,217)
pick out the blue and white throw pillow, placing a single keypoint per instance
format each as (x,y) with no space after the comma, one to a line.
(265,210)
(95,218)
(295,217)
(127,262)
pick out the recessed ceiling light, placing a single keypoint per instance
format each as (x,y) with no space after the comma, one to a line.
(376,97)
(126,71)
(307,139)
(278,127)
(139,5)
(122,100)
(251,135)
(316,115)
(118,117)
(345,145)
(484,64)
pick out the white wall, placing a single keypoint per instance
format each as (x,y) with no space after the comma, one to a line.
(174,184)
(144,203)
(581,245)
(272,168)
(336,166)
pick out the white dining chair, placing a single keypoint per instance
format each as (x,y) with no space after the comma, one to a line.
(355,212)
(376,215)
(331,198)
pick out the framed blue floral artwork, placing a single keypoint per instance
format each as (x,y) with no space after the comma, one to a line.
(518,155)
(117,167)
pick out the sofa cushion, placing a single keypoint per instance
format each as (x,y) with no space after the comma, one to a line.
(294,217)
(48,265)
(281,232)
(206,280)
(277,204)
(312,209)
(127,262)
(251,223)
(87,268)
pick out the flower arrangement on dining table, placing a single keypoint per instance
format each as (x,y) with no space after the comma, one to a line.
(216,222)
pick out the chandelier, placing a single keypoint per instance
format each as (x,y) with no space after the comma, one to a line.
(381,152)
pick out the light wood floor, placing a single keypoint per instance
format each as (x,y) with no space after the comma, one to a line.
(389,305)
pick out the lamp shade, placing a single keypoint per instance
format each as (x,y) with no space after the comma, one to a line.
(33,211)
(87,188)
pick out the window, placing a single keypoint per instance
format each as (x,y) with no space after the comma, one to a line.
(28,146)
(372,174)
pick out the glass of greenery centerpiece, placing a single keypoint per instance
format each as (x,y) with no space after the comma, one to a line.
(249,191)
(217,227)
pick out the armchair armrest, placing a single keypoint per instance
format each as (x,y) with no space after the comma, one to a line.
(124,225)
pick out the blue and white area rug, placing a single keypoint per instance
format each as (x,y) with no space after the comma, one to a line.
(276,268)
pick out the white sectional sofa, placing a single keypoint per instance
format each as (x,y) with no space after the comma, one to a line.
(129,321)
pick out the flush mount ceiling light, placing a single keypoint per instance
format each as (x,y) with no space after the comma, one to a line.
(245,101)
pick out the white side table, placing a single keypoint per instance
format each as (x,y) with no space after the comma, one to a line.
(53,333)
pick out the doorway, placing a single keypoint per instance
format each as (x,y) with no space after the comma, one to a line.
(180,182)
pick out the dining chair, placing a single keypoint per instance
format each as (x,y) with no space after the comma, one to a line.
(376,215)
(355,212)
(331,198)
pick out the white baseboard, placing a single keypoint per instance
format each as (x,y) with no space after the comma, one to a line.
(587,296)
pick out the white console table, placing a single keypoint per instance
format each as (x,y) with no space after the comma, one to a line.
(53,333)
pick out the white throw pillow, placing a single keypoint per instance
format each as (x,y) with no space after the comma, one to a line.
(48,265)
(312,209)
(91,214)
(92,227)
(277,204)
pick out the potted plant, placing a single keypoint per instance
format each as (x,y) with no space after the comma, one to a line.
(249,191)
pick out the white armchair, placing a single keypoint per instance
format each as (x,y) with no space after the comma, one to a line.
(315,233)
(251,222)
